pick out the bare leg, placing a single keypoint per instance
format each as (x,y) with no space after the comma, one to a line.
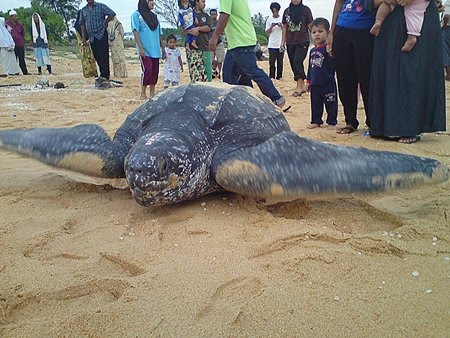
(382,12)
(143,92)
(409,43)
(301,88)
(219,67)
(152,90)
(447,73)
(414,15)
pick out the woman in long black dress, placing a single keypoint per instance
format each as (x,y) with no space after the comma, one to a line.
(407,89)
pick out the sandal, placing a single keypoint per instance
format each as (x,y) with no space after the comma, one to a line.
(298,93)
(348,129)
(408,140)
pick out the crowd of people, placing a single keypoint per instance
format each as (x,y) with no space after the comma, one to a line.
(370,46)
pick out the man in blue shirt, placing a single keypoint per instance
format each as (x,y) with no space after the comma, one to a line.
(94,19)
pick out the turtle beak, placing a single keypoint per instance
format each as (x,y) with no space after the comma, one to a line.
(151,181)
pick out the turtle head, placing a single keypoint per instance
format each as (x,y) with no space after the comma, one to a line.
(158,168)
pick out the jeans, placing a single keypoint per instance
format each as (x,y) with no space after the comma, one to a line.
(242,61)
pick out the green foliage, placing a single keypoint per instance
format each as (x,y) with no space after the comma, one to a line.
(53,21)
(259,22)
(262,39)
(67,9)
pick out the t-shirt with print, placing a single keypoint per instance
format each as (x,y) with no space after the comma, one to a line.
(356,14)
(149,39)
(297,33)
(321,67)
(276,34)
(239,30)
(203,38)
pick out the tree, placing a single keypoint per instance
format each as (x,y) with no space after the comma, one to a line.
(66,8)
(53,21)
(259,22)
(168,10)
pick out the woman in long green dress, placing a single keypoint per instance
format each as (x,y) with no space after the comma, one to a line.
(87,57)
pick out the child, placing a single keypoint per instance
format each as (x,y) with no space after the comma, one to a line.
(320,77)
(414,14)
(173,62)
(188,20)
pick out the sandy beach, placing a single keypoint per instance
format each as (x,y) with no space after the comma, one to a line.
(80,258)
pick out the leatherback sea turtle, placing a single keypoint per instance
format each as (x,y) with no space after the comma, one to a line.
(194,139)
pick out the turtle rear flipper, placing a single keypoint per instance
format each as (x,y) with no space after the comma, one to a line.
(85,148)
(288,166)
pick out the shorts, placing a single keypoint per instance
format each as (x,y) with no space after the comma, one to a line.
(150,70)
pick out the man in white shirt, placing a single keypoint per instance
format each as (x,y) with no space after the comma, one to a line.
(274,31)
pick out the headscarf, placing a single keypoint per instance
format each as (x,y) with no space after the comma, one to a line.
(295,12)
(42,31)
(149,17)
(6,40)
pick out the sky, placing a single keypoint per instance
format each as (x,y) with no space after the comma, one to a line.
(124,9)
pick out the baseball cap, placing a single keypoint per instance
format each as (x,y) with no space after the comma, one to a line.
(11,13)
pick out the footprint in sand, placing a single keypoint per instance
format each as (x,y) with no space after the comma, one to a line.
(230,298)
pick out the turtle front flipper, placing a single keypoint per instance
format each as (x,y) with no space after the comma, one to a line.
(287,166)
(85,148)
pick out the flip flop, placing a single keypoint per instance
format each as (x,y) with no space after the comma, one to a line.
(348,129)
(408,140)
(296,94)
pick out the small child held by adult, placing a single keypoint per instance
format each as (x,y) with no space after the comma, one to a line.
(173,62)
(414,15)
(320,78)
(188,20)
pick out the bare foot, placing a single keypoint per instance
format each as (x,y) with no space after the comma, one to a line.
(143,97)
(409,43)
(375,30)
(331,127)
(313,126)
(194,44)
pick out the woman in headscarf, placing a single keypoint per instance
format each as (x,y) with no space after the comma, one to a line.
(7,55)
(295,36)
(87,57)
(148,36)
(40,43)
(115,41)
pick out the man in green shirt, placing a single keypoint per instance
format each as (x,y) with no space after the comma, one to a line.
(240,61)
